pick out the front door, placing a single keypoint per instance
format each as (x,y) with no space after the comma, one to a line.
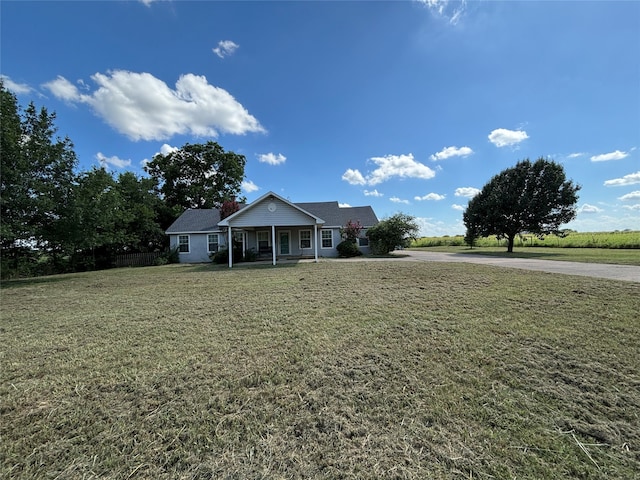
(284,243)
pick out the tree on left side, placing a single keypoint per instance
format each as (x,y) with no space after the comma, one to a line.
(36,183)
(532,197)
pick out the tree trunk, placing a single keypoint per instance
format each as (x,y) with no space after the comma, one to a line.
(510,238)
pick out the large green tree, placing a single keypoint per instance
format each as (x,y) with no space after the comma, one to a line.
(197,176)
(140,208)
(390,233)
(37,177)
(532,197)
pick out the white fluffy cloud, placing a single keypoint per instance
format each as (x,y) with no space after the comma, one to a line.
(631,179)
(403,166)
(468,192)
(630,196)
(460,208)
(501,137)
(451,152)
(15,87)
(430,196)
(372,193)
(113,161)
(605,157)
(586,208)
(272,158)
(354,177)
(166,149)
(399,200)
(248,186)
(143,107)
(225,48)
(452,11)
(632,207)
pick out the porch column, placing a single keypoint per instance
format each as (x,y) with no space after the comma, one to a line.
(273,243)
(230,248)
(315,241)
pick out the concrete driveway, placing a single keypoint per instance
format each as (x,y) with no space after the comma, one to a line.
(629,273)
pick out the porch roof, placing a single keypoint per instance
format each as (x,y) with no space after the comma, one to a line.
(257,211)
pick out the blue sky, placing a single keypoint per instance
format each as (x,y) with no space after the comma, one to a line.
(408,106)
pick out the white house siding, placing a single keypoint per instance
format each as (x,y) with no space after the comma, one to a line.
(198,247)
(260,216)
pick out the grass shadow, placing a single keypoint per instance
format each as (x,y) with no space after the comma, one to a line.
(23,282)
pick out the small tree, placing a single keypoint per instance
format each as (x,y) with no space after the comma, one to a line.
(228,208)
(351,231)
(396,231)
(531,197)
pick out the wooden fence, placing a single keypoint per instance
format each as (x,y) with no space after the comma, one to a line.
(137,259)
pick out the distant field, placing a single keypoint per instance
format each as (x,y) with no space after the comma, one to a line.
(342,370)
(624,239)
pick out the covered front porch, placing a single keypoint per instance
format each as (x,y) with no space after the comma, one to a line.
(276,242)
(274,228)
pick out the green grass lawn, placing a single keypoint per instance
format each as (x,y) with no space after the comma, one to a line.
(347,370)
(616,256)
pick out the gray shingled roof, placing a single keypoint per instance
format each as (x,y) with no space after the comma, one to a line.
(335,216)
(206,219)
(196,220)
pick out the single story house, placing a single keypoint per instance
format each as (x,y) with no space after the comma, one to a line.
(272,226)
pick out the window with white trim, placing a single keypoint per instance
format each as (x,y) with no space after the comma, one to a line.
(305,239)
(327,238)
(183,243)
(213,242)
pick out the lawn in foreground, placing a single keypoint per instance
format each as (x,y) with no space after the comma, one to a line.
(330,370)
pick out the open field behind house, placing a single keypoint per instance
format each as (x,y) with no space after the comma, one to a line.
(619,239)
(380,369)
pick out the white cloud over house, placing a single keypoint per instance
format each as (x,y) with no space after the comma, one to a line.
(501,137)
(372,193)
(249,187)
(399,200)
(390,166)
(630,196)
(225,48)
(143,107)
(467,192)
(430,196)
(272,158)
(630,179)
(15,87)
(112,161)
(449,152)
(606,157)
(450,10)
